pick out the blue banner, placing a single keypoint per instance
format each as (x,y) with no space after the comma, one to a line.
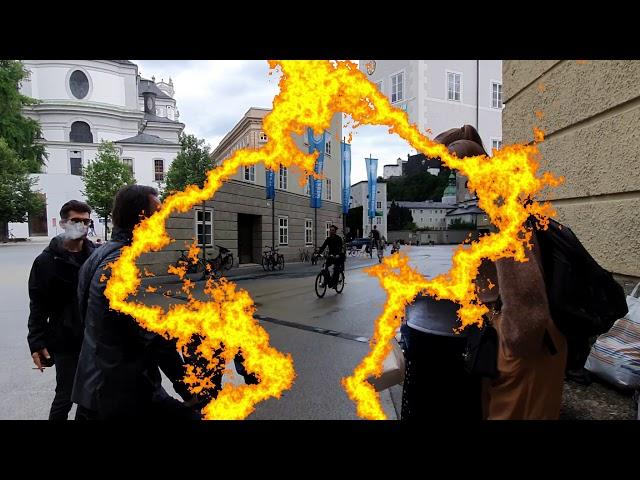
(270,183)
(346,177)
(372,177)
(316,184)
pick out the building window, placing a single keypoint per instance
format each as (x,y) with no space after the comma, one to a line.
(262,137)
(307,188)
(75,162)
(79,84)
(80,133)
(496,95)
(327,146)
(454,81)
(379,205)
(129,163)
(158,170)
(496,144)
(397,87)
(250,173)
(204,226)
(308,232)
(328,226)
(283,178)
(283,230)
(328,189)
(379,220)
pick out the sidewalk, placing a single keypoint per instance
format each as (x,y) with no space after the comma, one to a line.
(255,271)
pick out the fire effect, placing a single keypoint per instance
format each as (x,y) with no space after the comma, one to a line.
(311,92)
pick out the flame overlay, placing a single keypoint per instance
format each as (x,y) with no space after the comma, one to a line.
(310,93)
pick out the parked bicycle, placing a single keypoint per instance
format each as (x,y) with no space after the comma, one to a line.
(315,257)
(192,267)
(324,277)
(271,259)
(218,265)
(305,256)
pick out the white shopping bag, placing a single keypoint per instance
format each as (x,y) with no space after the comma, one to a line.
(393,369)
(615,356)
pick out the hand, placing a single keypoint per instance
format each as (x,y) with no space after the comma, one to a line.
(41,358)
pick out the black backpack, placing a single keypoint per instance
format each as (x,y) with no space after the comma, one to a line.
(584,299)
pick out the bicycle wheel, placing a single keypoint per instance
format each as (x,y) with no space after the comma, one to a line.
(280,262)
(321,286)
(340,285)
(265,263)
(227,262)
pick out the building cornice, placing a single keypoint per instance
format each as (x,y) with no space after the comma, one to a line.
(70,106)
(146,146)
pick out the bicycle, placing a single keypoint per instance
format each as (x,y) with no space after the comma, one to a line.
(271,260)
(192,267)
(223,262)
(304,255)
(380,251)
(324,277)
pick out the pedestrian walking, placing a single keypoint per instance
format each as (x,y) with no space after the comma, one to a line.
(55,330)
(118,375)
(92,229)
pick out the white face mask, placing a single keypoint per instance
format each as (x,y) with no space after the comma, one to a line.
(74,231)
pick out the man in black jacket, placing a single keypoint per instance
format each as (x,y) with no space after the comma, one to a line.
(336,249)
(118,374)
(55,330)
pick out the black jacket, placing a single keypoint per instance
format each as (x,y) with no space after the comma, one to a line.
(118,371)
(334,243)
(54,321)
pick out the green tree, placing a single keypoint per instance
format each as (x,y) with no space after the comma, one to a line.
(16,196)
(190,167)
(417,188)
(459,224)
(399,218)
(103,178)
(21,153)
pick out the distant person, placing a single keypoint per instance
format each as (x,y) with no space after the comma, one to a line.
(118,375)
(55,329)
(92,230)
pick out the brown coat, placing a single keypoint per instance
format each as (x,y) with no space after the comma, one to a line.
(531,377)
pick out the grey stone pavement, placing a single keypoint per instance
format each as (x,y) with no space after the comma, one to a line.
(326,337)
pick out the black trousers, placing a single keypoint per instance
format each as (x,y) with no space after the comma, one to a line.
(436,384)
(65,364)
(338,267)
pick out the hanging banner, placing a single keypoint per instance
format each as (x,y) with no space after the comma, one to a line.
(346,176)
(270,183)
(372,178)
(316,184)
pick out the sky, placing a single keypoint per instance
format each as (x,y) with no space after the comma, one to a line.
(213,95)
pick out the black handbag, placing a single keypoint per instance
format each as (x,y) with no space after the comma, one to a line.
(481,353)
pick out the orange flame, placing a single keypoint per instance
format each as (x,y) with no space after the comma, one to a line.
(311,92)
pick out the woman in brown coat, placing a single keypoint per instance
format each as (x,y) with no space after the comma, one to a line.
(532,353)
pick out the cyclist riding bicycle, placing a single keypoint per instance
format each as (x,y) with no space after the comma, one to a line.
(336,250)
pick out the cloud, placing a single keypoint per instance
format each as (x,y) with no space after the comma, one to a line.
(213,95)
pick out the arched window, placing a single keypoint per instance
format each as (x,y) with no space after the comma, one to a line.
(80,133)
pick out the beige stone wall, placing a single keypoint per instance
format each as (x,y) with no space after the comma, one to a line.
(234,198)
(590,113)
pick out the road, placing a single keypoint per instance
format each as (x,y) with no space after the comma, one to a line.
(326,337)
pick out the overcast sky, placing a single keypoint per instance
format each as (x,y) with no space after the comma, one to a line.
(213,95)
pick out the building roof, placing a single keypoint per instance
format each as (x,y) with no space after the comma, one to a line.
(466,210)
(150,86)
(154,118)
(427,204)
(145,138)
(123,62)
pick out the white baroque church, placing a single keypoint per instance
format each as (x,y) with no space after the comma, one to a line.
(81,103)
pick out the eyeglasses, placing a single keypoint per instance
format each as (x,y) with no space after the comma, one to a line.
(86,221)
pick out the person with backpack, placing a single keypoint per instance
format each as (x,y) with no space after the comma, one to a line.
(55,331)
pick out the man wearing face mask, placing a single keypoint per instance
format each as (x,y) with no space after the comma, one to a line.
(55,330)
